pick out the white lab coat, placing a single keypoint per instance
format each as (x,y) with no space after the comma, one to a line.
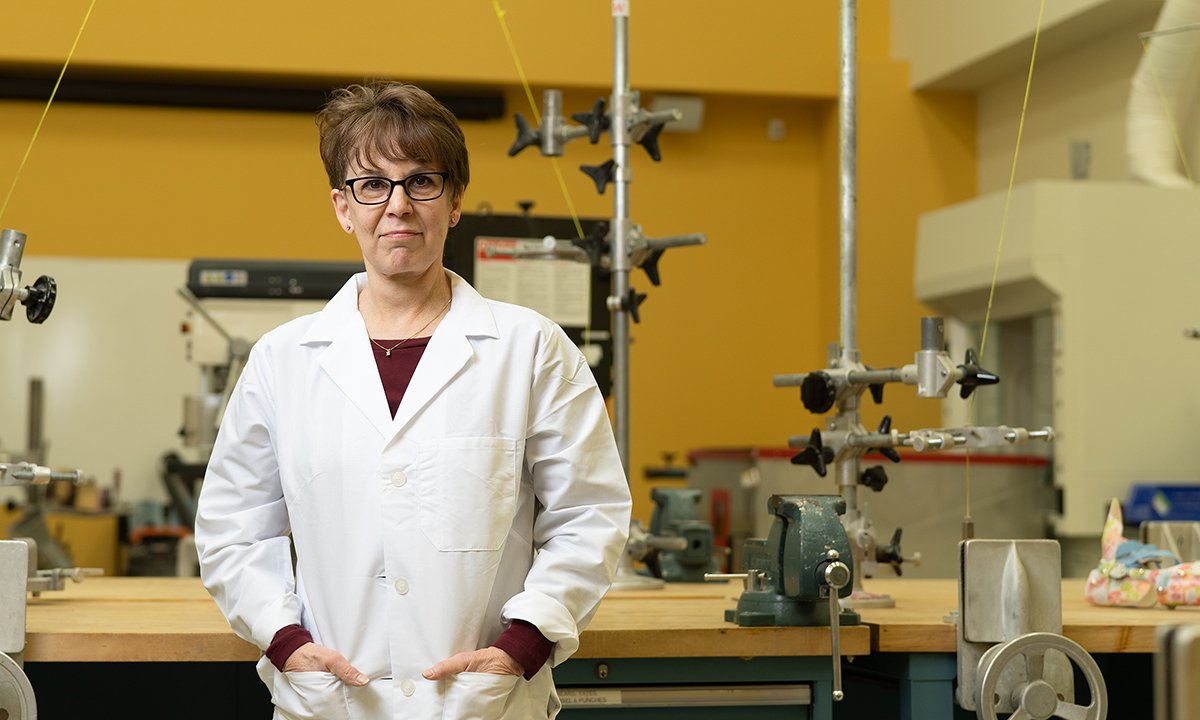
(496,493)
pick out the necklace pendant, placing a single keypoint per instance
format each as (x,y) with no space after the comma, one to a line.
(387,352)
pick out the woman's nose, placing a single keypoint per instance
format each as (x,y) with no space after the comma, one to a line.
(399,203)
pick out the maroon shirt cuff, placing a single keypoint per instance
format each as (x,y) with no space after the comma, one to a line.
(286,642)
(525,643)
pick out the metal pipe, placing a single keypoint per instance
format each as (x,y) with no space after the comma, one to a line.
(34,433)
(848,185)
(620,104)
(677,241)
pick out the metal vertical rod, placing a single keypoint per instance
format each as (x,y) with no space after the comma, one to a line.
(847,470)
(848,180)
(620,104)
(35,439)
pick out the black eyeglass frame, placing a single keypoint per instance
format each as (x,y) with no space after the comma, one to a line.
(402,182)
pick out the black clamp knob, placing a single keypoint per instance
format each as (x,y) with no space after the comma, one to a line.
(815,454)
(876,390)
(595,120)
(818,392)
(890,553)
(39,299)
(595,244)
(874,477)
(885,428)
(631,302)
(974,376)
(650,141)
(650,265)
(526,136)
(601,174)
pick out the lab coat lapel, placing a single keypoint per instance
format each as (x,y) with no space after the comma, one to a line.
(348,359)
(449,349)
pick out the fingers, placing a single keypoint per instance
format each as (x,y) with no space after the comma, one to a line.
(450,666)
(342,668)
(311,657)
(488,660)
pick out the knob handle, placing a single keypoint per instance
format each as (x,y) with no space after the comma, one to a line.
(631,302)
(39,299)
(973,376)
(526,136)
(595,244)
(892,555)
(650,265)
(874,478)
(595,120)
(818,392)
(601,174)
(814,454)
(650,141)
(885,428)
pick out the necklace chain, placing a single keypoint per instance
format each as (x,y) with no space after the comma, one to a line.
(387,351)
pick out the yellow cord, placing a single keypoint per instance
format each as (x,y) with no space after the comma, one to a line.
(1012,178)
(53,92)
(537,117)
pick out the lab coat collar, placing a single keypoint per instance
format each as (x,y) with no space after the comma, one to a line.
(349,362)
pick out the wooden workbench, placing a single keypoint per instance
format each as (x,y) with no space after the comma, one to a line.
(174,620)
(917,625)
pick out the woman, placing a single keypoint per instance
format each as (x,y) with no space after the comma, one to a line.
(443,463)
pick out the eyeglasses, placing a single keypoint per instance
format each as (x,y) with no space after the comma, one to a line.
(378,190)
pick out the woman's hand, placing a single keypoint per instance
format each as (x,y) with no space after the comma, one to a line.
(488,660)
(311,657)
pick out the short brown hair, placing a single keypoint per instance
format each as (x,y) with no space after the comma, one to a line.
(391,121)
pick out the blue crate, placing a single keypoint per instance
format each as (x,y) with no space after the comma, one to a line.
(1177,503)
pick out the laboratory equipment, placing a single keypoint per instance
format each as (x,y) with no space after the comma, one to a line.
(231,304)
(797,573)
(1012,656)
(676,516)
(620,245)
(840,385)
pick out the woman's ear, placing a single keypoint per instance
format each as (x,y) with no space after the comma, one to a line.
(341,208)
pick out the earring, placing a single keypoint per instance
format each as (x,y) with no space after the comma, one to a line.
(453,219)
(349,228)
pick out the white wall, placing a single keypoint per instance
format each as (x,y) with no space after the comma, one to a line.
(1080,95)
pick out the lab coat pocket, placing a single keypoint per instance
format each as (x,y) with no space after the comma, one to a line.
(304,695)
(479,696)
(468,492)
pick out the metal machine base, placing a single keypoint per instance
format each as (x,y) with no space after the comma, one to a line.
(766,609)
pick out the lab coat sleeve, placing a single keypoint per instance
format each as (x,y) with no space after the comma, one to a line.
(241,520)
(580,532)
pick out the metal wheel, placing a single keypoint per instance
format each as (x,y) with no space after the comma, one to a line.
(1037,699)
(16,694)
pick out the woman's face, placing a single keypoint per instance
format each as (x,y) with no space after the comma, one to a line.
(401,238)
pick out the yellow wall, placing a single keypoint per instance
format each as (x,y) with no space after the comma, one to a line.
(759,300)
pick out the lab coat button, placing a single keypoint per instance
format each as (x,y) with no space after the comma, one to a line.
(402,586)
(408,687)
(399,478)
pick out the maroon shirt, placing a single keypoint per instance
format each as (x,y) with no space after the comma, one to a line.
(521,640)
